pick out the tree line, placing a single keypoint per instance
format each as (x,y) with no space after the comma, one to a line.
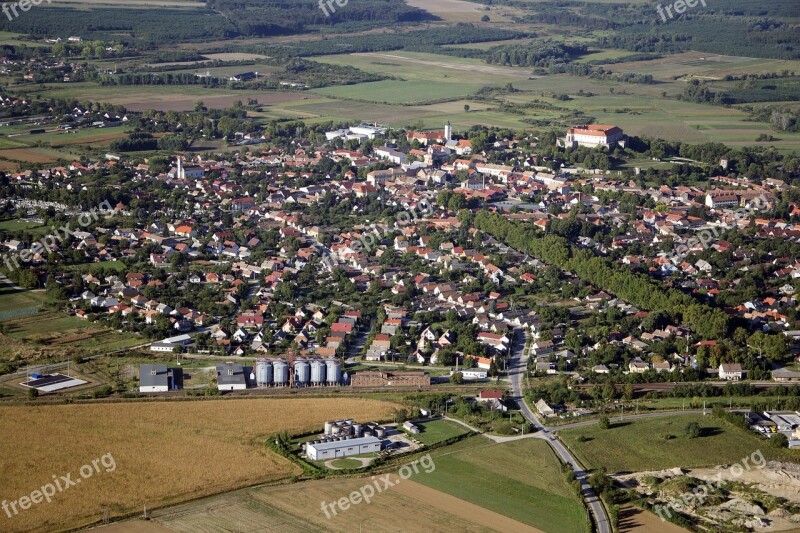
(640,291)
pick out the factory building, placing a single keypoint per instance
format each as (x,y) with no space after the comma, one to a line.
(231,376)
(379,378)
(332,449)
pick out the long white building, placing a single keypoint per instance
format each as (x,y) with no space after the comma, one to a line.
(320,451)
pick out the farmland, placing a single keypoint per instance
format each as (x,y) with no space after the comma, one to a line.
(296,508)
(496,486)
(519,479)
(16,303)
(164,452)
(644,444)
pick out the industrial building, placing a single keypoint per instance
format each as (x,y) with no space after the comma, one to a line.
(332,449)
(231,376)
(379,378)
(172,343)
(345,437)
(157,378)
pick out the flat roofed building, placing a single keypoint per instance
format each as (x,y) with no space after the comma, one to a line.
(321,451)
(378,378)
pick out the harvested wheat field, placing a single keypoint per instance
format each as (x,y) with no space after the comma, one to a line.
(296,508)
(153,453)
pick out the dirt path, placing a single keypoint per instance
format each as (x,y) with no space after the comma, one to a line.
(486,69)
(451,504)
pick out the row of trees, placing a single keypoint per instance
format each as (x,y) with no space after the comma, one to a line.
(636,289)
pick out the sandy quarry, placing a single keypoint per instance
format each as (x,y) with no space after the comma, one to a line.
(775,478)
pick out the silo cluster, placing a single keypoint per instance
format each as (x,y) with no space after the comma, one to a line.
(271,373)
(317,372)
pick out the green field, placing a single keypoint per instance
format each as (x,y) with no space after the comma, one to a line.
(15,303)
(520,479)
(33,228)
(436,431)
(400,92)
(640,445)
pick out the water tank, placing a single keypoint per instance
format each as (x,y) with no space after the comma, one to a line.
(380,432)
(334,369)
(318,372)
(328,427)
(281,372)
(302,372)
(358,431)
(263,373)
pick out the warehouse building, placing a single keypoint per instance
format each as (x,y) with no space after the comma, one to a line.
(231,376)
(321,451)
(379,378)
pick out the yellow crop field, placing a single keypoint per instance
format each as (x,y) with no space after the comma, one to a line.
(147,453)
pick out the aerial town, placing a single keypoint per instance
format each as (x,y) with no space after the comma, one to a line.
(396,266)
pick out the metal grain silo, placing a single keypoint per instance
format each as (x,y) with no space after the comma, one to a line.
(264,373)
(334,369)
(302,372)
(318,370)
(280,372)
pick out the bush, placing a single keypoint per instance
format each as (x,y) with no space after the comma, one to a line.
(779,440)
(102,392)
(504,428)
(692,430)
(604,422)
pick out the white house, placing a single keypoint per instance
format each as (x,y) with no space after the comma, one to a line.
(731,371)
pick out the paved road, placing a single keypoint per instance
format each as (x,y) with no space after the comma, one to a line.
(516,369)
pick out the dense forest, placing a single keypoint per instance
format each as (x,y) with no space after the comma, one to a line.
(276,17)
(223,19)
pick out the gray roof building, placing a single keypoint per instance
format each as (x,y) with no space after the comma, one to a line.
(153,378)
(231,376)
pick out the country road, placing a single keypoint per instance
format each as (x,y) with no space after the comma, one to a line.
(517,365)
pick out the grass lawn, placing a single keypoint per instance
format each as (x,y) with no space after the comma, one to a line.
(725,401)
(346,463)
(119,266)
(639,445)
(438,430)
(16,224)
(15,303)
(520,479)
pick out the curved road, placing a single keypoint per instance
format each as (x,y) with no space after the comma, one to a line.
(516,368)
